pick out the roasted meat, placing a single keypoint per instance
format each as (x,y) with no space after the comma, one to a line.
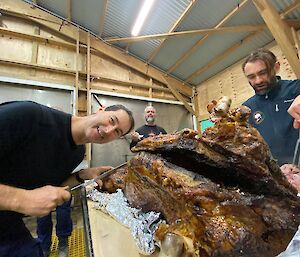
(221,193)
(292,173)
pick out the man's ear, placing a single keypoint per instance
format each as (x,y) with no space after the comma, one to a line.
(277,67)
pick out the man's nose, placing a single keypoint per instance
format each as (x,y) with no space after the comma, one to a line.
(109,129)
(258,79)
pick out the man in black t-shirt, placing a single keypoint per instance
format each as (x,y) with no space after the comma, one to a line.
(149,129)
(39,148)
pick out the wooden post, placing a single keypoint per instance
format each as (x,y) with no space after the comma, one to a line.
(88,92)
(281,32)
(296,41)
(196,107)
(77,72)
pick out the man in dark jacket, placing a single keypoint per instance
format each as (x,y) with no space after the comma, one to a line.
(270,103)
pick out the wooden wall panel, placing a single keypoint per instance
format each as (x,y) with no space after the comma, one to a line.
(232,82)
(15,49)
(59,57)
(39,54)
(106,67)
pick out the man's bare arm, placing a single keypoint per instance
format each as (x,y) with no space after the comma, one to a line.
(36,202)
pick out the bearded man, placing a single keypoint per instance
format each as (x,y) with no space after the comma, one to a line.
(149,129)
(269,105)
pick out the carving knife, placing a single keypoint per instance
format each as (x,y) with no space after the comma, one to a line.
(296,159)
(101,176)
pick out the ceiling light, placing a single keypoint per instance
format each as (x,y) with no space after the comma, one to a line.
(141,17)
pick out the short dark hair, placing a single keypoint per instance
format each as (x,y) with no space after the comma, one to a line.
(117,107)
(264,55)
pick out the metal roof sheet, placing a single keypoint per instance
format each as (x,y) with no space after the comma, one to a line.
(120,16)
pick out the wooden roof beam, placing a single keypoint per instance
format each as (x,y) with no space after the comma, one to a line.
(242,28)
(179,97)
(290,9)
(293,23)
(39,38)
(69,10)
(174,27)
(102,18)
(199,43)
(221,56)
(281,32)
(22,9)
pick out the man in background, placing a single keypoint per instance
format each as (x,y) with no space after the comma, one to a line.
(63,227)
(149,129)
(273,97)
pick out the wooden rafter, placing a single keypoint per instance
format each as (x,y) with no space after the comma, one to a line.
(179,97)
(174,27)
(39,38)
(296,41)
(205,38)
(21,9)
(242,28)
(281,32)
(69,9)
(222,56)
(295,23)
(102,18)
(290,9)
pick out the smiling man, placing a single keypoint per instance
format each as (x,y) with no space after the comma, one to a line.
(270,103)
(39,148)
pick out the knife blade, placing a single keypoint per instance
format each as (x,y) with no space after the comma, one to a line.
(296,158)
(101,176)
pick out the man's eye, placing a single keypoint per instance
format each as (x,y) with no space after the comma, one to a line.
(251,77)
(112,121)
(263,72)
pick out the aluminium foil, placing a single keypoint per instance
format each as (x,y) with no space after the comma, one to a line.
(142,225)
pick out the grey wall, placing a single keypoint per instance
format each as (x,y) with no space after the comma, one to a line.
(171,117)
(56,98)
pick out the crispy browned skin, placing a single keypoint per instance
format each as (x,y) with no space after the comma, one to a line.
(221,189)
(221,221)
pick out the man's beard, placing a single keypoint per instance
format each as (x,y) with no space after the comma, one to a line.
(150,119)
(270,85)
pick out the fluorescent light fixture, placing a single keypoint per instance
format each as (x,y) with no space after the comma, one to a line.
(141,17)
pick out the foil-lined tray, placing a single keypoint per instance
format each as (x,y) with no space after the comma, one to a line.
(142,225)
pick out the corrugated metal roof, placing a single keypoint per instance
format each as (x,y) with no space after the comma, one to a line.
(207,13)
(121,14)
(258,41)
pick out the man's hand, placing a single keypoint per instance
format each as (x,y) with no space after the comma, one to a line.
(135,136)
(294,111)
(36,202)
(91,173)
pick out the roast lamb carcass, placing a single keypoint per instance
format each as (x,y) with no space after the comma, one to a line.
(221,193)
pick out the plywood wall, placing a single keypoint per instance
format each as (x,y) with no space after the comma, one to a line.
(232,82)
(27,53)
